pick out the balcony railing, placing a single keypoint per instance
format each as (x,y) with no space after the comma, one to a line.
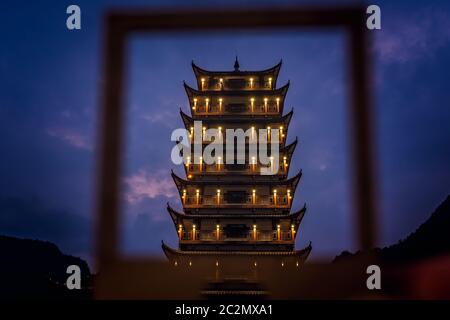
(225,169)
(279,201)
(245,109)
(261,236)
(216,85)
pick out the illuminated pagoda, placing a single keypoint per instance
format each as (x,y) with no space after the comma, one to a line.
(231,212)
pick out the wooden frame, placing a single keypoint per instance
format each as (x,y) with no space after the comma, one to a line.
(115,272)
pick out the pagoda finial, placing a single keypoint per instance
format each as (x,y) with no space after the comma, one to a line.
(236,64)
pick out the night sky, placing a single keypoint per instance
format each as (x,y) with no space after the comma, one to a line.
(50,80)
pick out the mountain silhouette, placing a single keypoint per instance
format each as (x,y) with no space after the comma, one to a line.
(431,239)
(37,269)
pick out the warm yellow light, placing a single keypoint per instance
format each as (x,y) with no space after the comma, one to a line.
(190,176)
(197,196)
(180,232)
(218,191)
(176,263)
(254,191)
(296,264)
(275,191)
(282,264)
(278,226)
(251,82)
(220,128)
(190,263)
(220,80)
(217,263)
(252,99)
(255,264)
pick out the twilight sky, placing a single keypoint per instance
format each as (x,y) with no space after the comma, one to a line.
(50,79)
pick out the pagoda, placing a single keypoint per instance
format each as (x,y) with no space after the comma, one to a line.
(232,214)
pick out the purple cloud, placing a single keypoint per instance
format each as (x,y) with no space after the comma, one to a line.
(71,136)
(145,185)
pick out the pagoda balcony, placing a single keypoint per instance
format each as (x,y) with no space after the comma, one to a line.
(279,201)
(233,109)
(261,236)
(219,170)
(236,84)
(236,79)
(236,101)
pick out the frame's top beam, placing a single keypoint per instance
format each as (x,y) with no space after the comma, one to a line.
(210,19)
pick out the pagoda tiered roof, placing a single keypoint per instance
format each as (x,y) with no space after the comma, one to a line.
(234,209)
(295,217)
(292,182)
(212,119)
(200,72)
(171,253)
(191,92)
